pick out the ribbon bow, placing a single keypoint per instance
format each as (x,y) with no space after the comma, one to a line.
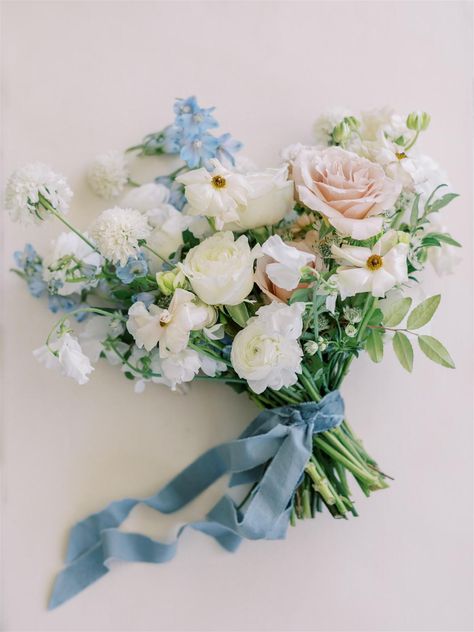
(272,453)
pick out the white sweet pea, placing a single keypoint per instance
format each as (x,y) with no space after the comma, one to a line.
(266,352)
(179,368)
(169,327)
(66,355)
(71,264)
(97,329)
(220,269)
(289,261)
(215,194)
(269,199)
(146,197)
(446,257)
(374,270)
(166,236)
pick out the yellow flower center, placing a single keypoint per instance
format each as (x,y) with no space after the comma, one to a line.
(374,262)
(401,155)
(218,182)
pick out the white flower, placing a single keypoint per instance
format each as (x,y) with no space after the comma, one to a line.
(220,269)
(24,188)
(291,152)
(215,194)
(117,232)
(325,124)
(426,175)
(182,367)
(166,236)
(244,164)
(146,197)
(374,270)
(446,257)
(270,197)
(168,327)
(96,331)
(286,271)
(67,357)
(108,174)
(71,265)
(266,352)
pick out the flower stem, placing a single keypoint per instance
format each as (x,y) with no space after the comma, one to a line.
(50,208)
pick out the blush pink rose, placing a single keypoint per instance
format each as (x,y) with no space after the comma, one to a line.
(272,291)
(350,191)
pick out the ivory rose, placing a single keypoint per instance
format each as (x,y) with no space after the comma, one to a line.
(350,191)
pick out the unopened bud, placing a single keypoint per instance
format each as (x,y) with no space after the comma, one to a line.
(418,121)
(341,132)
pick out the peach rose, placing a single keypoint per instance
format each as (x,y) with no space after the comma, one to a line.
(269,288)
(350,191)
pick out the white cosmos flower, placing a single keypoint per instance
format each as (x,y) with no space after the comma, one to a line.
(169,327)
(71,264)
(266,352)
(270,197)
(108,174)
(146,197)
(68,358)
(374,270)
(286,271)
(215,194)
(24,188)
(220,269)
(117,232)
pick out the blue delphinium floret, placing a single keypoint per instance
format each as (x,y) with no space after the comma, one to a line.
(135,268)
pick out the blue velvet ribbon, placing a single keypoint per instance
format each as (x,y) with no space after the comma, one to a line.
(272,453)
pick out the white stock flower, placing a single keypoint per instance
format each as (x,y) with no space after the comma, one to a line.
(215,194)
(24,188)
(270,197)
(266,352)
(325,124)
(108,174)
(68,357)
(285,271)
(220,269)
(169,327)
(71,264)
(117,232)
(374,270)
(446,257)
(146,197)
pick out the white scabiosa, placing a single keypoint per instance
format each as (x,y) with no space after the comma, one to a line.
(220,269)
(30,189)
(266,352)
(108,174)
(65,354)
(71,265)
(375,270)
(117,232)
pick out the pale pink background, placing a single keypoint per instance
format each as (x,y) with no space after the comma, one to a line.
(79,78)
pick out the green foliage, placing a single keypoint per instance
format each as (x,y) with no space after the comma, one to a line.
(396,312)
(423,313)
(435,351)
(403,350)
(374,345)
(238,313)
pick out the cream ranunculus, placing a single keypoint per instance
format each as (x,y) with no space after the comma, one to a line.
(220,269)
(269,199)
(266,352)
(350,191)
(375,270)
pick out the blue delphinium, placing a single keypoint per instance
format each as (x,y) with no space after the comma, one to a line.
(31,266)
(144,297)
(135,268)
(226,148)
(176,189)
(197,150)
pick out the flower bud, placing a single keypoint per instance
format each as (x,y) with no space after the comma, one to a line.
(170,280)
(353,123)
(341,132)
(403,237)
(418,121)
(311,347)
(351,331)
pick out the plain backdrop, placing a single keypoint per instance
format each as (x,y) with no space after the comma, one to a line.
(83,77)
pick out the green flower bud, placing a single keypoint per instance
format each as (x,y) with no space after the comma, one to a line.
(341,132)
(418,121)
(353,123)
(311,347)
(403,237)
(170,280)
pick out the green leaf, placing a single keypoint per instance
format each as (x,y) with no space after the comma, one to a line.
(396,312)
(423,313)
(414,211)
(302,295)
(403,350)
(376,318)
(442,202)
(238,313)
(435,351)
(374,345)
(446,238)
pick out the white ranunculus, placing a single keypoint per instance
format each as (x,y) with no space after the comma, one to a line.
(169,327)
(269,199)
(146,197)
(285,272)
(216,194)
(71,264)
(108,174)
(117,232)
(220,269)
(375,270)
(68,358)
(266,352)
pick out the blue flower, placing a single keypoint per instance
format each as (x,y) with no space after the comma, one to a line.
(186,106)
(198,150)
(31,264)
(172,139)
(145,297)
(226,147)
(57,303)
(36,286)
(135,268)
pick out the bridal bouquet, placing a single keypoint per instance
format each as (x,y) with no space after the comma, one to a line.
(270,281)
